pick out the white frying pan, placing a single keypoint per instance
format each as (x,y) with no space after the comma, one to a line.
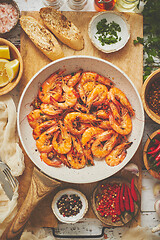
(101,170)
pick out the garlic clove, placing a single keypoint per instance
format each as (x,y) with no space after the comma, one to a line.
(157,207)
(132,167)
(156,229)
(156,190)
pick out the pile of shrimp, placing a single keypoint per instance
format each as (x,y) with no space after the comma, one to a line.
(80,117)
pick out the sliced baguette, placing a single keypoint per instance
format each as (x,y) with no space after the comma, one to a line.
(62,28)
(41,37)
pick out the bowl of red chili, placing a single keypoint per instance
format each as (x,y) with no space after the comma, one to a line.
(151,154)
(151,96)
(116,201)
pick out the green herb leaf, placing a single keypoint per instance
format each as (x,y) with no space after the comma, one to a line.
(151,43)
(107,33)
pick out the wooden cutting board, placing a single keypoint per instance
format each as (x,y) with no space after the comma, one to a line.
(129,59)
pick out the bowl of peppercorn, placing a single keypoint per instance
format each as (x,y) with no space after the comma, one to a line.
(151,96)
(151,154)
(116,201)
(69,205)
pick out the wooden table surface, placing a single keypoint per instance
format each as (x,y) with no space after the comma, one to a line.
(148,216)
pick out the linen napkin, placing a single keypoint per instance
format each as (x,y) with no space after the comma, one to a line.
(12,155)
(10,151)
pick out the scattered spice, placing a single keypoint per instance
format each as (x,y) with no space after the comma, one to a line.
(107,201)
(108,33)
(69,205)
(153,96)
(36,103)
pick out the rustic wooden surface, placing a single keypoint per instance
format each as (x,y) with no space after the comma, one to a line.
(129,59)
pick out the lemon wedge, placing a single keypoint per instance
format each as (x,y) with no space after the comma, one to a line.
(4,52)
(4,80)
(12,68)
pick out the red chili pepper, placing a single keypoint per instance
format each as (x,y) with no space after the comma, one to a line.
(156,141)
(157,157)
(158,163)
(151,149)
(118,210)
(155,163)
(121,198)
(157,149)
(126,201)
(133,191)
(130,200)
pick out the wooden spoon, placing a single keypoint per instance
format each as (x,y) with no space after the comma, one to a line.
(41,186)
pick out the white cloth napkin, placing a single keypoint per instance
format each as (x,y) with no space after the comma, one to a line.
(12,155)
(8,209)
(10,152)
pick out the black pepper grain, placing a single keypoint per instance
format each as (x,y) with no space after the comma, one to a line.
(153,96)
(69,205)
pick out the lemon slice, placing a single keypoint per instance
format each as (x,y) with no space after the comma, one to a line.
(3,74)
(12,68)
(4,52)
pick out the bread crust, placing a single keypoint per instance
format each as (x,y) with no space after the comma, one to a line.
(62,28)
(41,37)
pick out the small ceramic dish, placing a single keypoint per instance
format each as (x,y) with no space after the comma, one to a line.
(69,205)
(148,162)
(104,202)
(11,13)
(147,86)
(123,35)
(15,54)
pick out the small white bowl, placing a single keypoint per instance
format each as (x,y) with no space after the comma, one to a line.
(71,219)
(109,16)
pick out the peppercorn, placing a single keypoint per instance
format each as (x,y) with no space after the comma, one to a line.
(153,96)
(69,205)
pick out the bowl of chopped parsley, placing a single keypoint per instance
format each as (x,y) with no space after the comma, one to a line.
(109,31)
